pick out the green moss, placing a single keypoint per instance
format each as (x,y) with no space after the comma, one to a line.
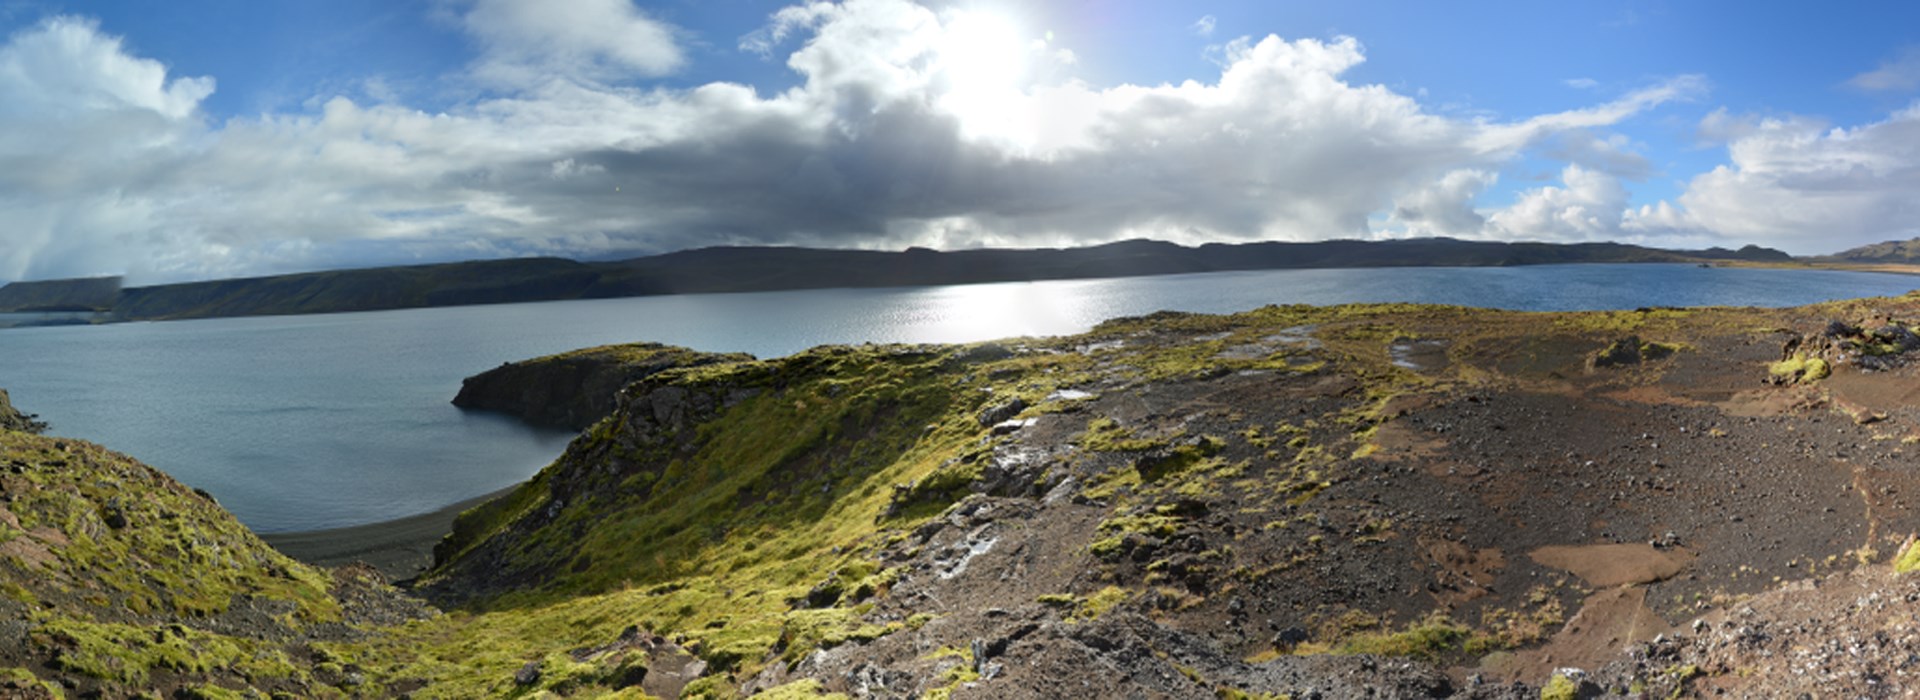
(173,553)
(128,654)
(1801,368)
(1091,607)
(24,679)
(1429,638)
(1105,435)
(1101,601)
(954,676)
(1560,688)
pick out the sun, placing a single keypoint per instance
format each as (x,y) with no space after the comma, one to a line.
(983,57)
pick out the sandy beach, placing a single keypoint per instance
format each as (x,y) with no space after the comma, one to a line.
(400,548)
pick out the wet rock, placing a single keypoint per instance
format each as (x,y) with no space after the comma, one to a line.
(1001,412)
(1008,427)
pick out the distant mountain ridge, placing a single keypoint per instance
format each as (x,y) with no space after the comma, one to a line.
(1906,251)
(761,269)
(82,294)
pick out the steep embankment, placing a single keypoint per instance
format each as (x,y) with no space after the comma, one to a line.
(116,579)
(1192,505)
(575,389)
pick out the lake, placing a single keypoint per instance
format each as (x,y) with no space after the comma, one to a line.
(309,422)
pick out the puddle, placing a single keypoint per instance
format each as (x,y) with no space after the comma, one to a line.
(1425,355)
(1296,335)
(1068,395)
(1295,338)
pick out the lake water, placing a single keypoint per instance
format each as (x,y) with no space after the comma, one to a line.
(307,422)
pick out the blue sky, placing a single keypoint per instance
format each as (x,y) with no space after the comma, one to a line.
(190,140)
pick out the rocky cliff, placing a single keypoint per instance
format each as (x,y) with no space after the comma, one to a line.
(12,419)
(574,390)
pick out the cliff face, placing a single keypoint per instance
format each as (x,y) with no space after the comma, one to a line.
(576,389)
(116,579)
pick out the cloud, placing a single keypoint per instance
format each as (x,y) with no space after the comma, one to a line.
(1588,207)
(1205,25)
(1581,83)
(526,42)
(1444,207)
(1800,184)
(895,135)
(1900,73)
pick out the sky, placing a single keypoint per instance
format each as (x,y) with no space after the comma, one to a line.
(201,139)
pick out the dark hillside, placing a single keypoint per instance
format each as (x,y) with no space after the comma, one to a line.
(717,270)
(87,294)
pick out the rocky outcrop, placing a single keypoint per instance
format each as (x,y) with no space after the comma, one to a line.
(12,419)
(576,389)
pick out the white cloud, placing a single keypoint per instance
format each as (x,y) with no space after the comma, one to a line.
(1444,207)
(1801,185)
(106,164)
(1581,83)
(64,66)
(1900,73)
(1588,207)
(1205,25)
(527,42)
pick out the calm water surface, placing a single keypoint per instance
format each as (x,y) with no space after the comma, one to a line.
(306,422)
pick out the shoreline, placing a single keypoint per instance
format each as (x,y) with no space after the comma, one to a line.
(400,549)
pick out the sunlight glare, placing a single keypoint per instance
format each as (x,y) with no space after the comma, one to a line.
(984,60)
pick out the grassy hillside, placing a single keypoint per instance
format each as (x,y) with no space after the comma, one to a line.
(115,579)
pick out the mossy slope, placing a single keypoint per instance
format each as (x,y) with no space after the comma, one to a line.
(114,578)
